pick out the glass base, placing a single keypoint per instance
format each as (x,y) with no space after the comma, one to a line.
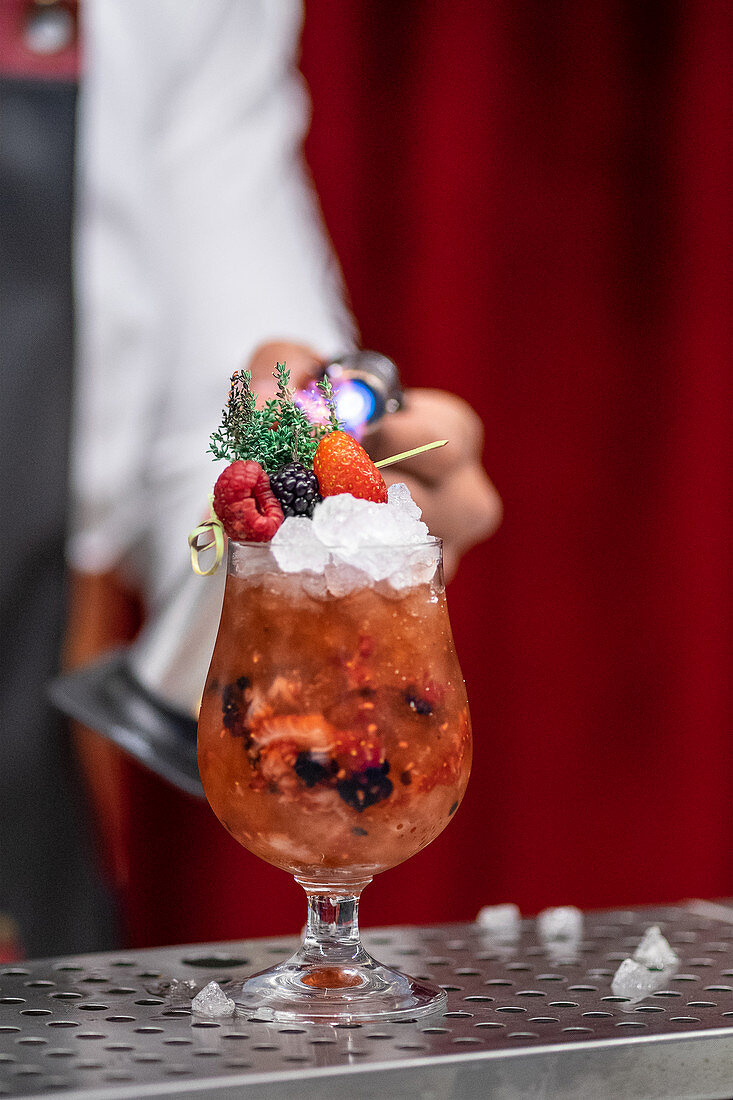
(353,991)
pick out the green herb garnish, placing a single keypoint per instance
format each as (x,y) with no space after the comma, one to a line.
(274,435)
(327,390)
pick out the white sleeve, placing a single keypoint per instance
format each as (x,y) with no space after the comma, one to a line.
(198,237)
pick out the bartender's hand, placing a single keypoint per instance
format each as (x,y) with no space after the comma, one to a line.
(459,502)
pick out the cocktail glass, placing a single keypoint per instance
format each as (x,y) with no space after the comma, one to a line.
(335,742)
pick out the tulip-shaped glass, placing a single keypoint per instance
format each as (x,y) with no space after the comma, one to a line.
(335,742)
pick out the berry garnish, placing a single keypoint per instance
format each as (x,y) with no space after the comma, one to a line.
(343,466)
(245,503)
(296,489)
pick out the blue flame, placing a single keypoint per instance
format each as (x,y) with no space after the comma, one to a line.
(354,399)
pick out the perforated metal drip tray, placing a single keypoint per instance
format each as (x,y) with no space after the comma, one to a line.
(522,1019)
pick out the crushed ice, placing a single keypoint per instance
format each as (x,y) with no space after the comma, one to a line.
(353,543)
(399,496)
(180,992)
(213,1001)
(297,547)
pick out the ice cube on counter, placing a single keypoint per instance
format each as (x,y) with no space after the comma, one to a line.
(563,922)
(634,980)
(502,921)
(213,1001)
(654,951)
(180,992)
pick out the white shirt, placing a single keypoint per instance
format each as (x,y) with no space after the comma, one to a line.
(198,237)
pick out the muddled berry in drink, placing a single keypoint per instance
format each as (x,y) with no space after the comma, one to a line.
(233,706)
(366,788)
(420,706)
(311,770)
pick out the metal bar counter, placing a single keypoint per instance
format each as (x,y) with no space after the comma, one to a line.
(523,1020)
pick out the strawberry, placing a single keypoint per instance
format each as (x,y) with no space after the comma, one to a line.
(245,503)
(343,466)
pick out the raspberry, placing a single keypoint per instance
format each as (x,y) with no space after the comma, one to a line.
(296,488)
(245,503)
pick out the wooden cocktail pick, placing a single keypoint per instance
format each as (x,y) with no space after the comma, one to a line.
(409,454)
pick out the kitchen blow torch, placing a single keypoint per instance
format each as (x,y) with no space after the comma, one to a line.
(366,386)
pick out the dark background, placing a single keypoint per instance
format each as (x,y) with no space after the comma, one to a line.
(532,207)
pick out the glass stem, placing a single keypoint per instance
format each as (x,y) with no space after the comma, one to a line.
(331,936)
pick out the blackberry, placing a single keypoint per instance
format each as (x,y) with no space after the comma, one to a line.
(420,706)
(233,702)
(230,703)
(296,489)
(366,787)
(310,770)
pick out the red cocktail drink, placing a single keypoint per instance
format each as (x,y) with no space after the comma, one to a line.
(335,742)
(334,736)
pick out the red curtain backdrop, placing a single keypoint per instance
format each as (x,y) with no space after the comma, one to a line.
(531,203)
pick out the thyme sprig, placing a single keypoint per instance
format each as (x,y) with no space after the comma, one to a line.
(273,435)
(327,390)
